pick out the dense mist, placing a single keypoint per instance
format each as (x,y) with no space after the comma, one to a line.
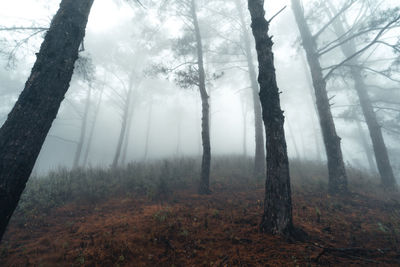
(199,102)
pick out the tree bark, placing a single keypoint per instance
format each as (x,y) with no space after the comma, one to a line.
(277,217)
(336,167)
(375,131)
(259,157)
(25,130)
(204,187)
(82,136)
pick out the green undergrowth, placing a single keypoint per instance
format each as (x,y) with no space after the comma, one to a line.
(158,180)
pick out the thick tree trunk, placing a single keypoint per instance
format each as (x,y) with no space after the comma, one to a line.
(259,158)
(25,130)
(92,128)
(336,168)
(277,217)
(82,136)
(375,131)
(204,187)
(124,124)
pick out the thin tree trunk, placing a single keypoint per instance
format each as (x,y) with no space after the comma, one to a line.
(336,167)
(313,112)
(277,217)
(296,149)
(27,125)
(127,135)
(375,131)
(204,187)
(244,134)
(149,116)
(366,147)
(82,136)
(178,137)
(124,123)
(92,128)
(259,158)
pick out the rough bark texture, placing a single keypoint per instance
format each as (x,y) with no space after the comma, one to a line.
(277,217)
(375,131)
(204,187)
(336,168)
(82,136)
(259,158)
(25,130)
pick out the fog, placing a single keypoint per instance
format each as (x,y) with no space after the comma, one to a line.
(199,133)
(124,37)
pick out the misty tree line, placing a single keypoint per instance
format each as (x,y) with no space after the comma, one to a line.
(340,44)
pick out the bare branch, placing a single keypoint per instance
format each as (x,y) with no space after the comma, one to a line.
(363,49)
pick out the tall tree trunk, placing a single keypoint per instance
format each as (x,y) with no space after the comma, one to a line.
(277,217)
(375,131)
(25,130)
(259,158)
(124,123)
(204,187)
(313,111)
(366,147)
(92,128)
(178,135)
(127,135)
(296,148)
(244,134)
(149,116)
(381,155)
(336,167)
(82,136)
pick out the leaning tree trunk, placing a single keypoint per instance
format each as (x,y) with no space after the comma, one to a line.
(277,218)
(381,155)
(204,187)
(259,159)
(375,131)
(25,130)
(336,168)
(82,136)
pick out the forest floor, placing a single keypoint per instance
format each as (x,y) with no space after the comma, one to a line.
(186,229)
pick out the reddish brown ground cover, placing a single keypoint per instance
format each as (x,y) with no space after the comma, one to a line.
(216,230)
